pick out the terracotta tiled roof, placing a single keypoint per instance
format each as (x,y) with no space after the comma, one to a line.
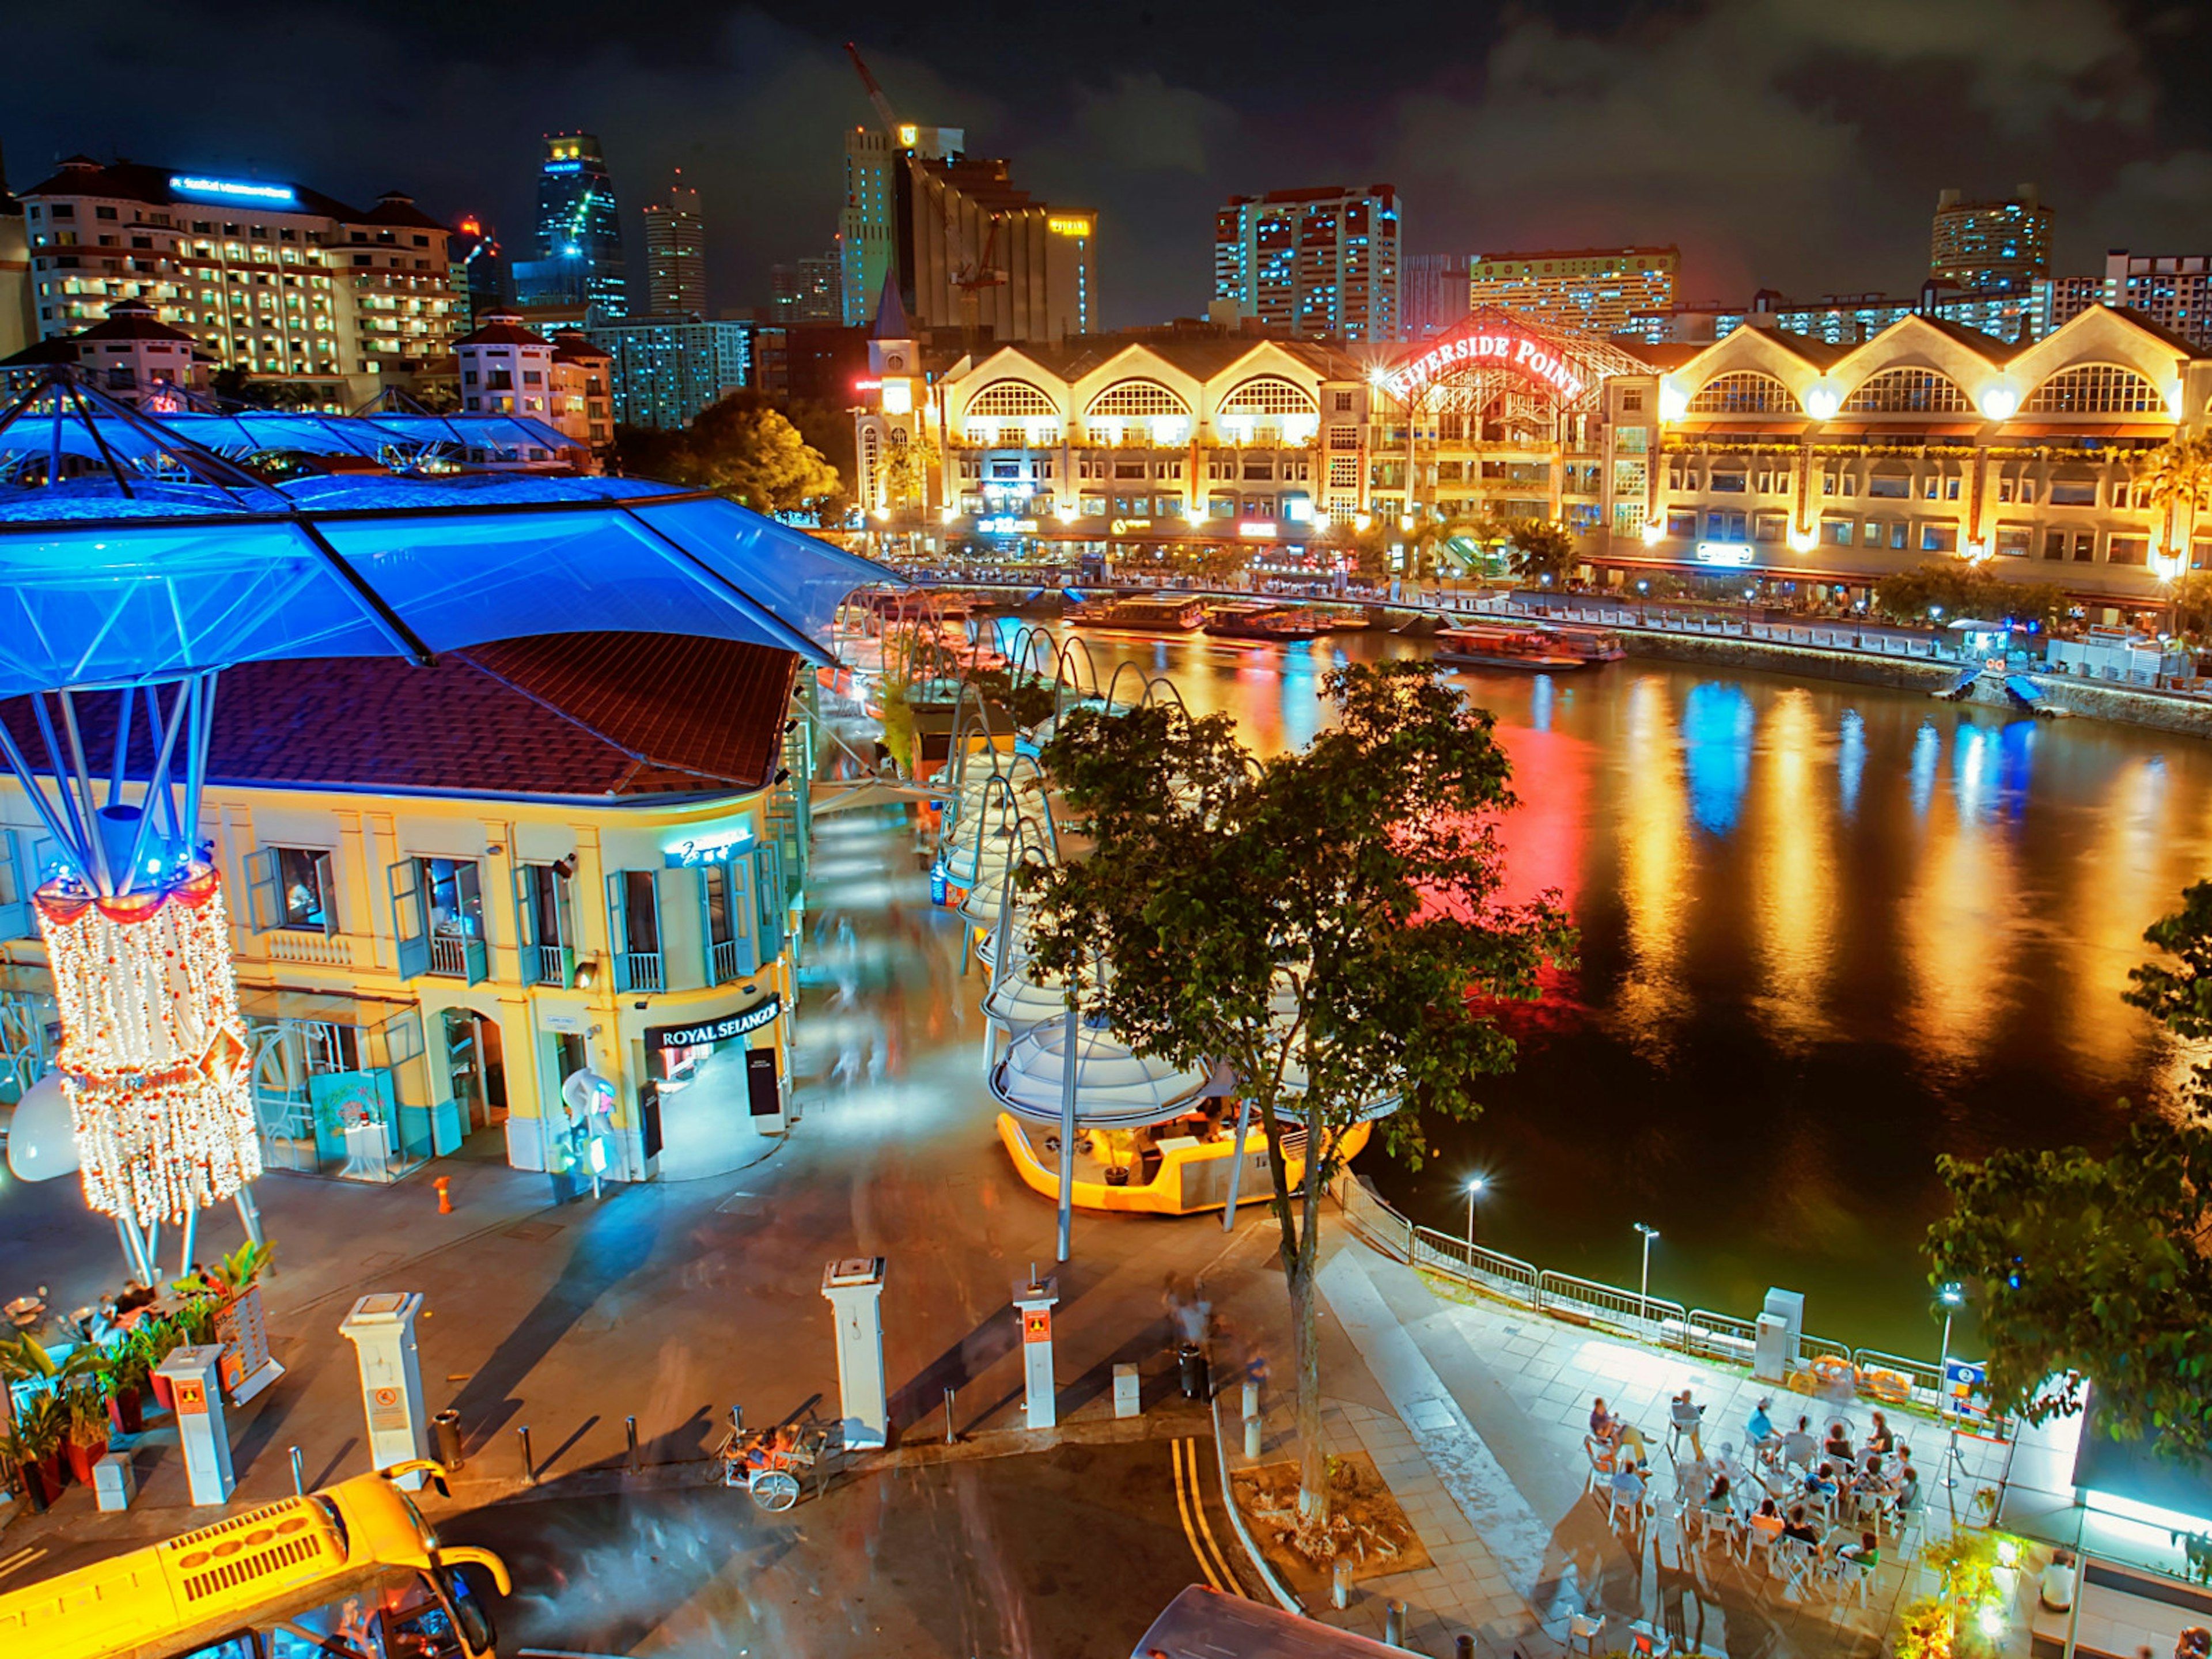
(575,716)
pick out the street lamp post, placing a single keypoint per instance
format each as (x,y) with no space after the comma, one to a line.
(1474,1187)
(1644,1291)
(1952,1297)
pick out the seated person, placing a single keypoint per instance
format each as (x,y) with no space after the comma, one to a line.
(1799,1528)
(1798,1445)
(1690,1418)
(1838,1445)
(1864,1553)
(1880,1439)
(1717,1498)
(1759,1428)
(1821,1483)
(2056,1588)
(1908,1489)
(1628,1484)
(1768,1520)
(1600,1421)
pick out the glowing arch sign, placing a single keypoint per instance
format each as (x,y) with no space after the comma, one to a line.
(1506,347)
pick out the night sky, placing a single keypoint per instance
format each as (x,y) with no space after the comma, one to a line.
(1796,144)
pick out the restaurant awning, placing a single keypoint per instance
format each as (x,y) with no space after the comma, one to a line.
(2149,431)
(1740,428)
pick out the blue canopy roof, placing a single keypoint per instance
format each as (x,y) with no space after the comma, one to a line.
(172,562)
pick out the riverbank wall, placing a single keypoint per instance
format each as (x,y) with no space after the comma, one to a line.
(1854,667)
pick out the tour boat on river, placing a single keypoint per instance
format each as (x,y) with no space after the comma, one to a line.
(1144,614)
(1247,620)
(1536,649)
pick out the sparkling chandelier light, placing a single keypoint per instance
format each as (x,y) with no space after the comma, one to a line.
(153,1055)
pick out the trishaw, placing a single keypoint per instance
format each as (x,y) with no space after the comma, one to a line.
(772,1463)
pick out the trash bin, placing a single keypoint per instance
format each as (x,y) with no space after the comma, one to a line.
(1190,1367)
(447,1425)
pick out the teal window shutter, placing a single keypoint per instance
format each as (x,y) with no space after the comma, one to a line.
(265,891)
(476,951)
(409,927)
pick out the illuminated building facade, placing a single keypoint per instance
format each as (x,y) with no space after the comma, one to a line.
(2173,290)
(1319,265)
(471,879)
(1594,290)
(577,220)
(1795,462)
(269,278)
(1433,293)
(675,254)
(2003,245)
(507,369)
(131,356)
(810,291)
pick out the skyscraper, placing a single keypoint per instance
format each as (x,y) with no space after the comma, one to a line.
(866,244)
(577,220)
(1319,264)
(675,255)
(2001,246)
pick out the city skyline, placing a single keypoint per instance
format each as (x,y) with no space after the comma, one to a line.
(1615,130)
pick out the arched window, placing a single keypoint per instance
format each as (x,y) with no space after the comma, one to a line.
(1744,393)
(1268,394)
(1016,399)
(1136,399)
(1907,392)
(2096,389)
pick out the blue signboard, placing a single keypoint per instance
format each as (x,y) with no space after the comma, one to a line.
(1965,1391)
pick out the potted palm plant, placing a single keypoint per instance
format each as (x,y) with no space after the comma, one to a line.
(42,1424)
(123,1373)
(230,1290)
(161,1336)
(19,1470)
(88,1431)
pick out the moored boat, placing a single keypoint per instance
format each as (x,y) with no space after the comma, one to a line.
(1535,649)
(1262,621)
(1144,614)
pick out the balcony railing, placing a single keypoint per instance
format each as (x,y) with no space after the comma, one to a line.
(726,960)
(639,970)
(313,949)
(549,964)
(449,954)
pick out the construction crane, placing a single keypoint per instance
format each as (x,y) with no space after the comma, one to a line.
(876,96)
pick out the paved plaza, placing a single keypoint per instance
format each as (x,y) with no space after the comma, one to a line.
(668,1302)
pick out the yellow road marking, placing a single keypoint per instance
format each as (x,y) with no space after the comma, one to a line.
(1182,1507)
(1198,1502)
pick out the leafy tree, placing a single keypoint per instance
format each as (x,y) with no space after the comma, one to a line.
(2192,602)
(1542,548)
(1027,700)
(1368,549)
(1944,590)
(1325,922)
(2180,477)
(2096,1268)
(741,446)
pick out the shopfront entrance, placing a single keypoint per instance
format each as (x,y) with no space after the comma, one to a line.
(720,1087)
(475,1071)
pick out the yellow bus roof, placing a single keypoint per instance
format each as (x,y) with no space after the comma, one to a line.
(217,1577)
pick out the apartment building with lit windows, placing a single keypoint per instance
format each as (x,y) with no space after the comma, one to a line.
(2003,244)
(1596,290)
(271,278)
(506,368)
(1320,264)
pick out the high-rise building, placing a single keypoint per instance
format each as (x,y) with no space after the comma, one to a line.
(978,256)
(271,278)
(577,219)
(811,291)
(2173,290)
(1990,246)
(1322,264)
(666,370)
(1432,293)
(867,225)
(675,254)
(1593,289)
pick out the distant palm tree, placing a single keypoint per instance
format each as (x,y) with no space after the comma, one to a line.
(2181,488)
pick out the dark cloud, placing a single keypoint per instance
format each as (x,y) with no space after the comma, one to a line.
(1790,143)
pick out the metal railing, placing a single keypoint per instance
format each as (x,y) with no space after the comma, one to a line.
(1699,1332)
(723,955)
(449,954)
(549,963)
(639,970)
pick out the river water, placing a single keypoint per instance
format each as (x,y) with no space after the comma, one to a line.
(1828,932)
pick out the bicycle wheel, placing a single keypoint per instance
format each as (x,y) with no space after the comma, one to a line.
(775,1491)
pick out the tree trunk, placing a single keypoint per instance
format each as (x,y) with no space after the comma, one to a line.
(1305,1337)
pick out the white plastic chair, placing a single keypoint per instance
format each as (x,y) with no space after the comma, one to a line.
(1761,1540)
(1585,1627)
